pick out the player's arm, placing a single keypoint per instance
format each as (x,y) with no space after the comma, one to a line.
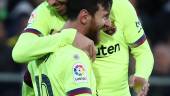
(79,79)
(30,46)
(33,44)
(136,40)
(27,86)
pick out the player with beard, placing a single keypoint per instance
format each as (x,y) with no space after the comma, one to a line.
(111,66)
(38,38)
(112,62)
(68,71)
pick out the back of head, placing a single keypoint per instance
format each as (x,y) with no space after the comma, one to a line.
(75,6)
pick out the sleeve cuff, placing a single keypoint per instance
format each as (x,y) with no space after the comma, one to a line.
(78,91)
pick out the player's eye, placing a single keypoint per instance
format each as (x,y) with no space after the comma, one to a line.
(106,16)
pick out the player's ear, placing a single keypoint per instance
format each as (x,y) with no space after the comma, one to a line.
(84,16)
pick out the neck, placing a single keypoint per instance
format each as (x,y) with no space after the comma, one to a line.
(76,25)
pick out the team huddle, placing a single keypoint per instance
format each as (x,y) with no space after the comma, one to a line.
(82,47)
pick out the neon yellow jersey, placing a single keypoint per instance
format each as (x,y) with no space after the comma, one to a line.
(66,72)
(27,90)
(111,65)
(45,19)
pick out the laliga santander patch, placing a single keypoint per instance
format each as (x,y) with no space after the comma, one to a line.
(32,18)
(79,73)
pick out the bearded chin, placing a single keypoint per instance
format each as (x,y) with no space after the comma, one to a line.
(94,36)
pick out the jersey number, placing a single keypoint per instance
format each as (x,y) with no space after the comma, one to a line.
(45,83)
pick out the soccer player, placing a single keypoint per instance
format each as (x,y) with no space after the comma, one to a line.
(68,71)
(23,52)
(35,41)
(111,64)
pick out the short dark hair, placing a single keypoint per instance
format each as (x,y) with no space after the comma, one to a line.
(75,6)
(107,4)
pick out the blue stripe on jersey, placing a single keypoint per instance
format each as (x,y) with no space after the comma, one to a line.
(78,91)
(31,30)
(139,42)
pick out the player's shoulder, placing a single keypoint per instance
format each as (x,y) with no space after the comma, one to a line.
(41,7)
(120,4)
(119,9)
(44,9)
(71,51)
(71,48)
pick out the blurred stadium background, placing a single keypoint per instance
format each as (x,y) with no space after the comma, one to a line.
(154,15)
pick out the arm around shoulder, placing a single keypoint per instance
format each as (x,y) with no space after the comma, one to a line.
(30,46)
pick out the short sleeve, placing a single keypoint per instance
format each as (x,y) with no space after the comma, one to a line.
(126,16)
(79,78)
(38,22)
